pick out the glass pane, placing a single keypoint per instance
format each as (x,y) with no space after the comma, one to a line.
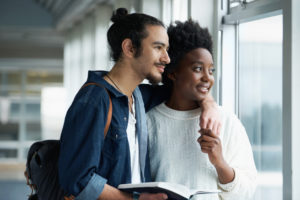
(260,98)
(10,81)
(235,3)
(13,78)
(33,110)
(8,153)
(11,91)
(33,131)
(20,108)
(15,110)
(38,78)
(33,91)
(9,131)
(180,10)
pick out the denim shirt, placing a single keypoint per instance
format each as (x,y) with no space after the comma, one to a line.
(87,160)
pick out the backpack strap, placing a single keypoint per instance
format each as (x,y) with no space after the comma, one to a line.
(109,114)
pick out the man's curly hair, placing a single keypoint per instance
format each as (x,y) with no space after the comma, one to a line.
(183,38)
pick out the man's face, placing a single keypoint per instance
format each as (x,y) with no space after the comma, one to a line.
(194,78)
(154,56)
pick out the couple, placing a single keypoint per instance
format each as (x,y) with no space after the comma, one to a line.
(91,166)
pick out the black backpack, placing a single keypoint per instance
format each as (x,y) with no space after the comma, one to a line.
(42,165)
(42,172)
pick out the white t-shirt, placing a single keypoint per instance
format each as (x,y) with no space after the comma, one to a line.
(176,156)
(133,146)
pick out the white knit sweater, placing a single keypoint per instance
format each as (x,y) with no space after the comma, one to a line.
(176,156)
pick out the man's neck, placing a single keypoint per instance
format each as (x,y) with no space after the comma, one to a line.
(123,78)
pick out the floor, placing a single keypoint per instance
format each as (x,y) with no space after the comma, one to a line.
(14,190)
(12,182)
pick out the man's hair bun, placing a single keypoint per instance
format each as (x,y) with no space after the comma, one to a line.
(119,14)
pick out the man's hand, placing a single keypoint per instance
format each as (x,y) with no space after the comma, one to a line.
(210,117)
(211,144)
(112,193)
(148,196)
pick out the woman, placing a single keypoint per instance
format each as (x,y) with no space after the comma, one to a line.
(223,161)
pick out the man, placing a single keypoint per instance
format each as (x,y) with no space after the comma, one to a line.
(91,166)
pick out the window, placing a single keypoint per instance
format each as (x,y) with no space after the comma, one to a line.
(260,99)
(180,10)
(236,3)
(20,106)
(173,10)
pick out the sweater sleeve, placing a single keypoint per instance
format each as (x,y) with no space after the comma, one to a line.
(238,154)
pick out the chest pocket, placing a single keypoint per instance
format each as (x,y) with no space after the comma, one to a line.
(115,143)
(115,152)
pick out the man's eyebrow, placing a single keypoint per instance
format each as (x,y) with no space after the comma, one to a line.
(159,43)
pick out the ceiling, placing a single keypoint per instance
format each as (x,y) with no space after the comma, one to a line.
(66,12)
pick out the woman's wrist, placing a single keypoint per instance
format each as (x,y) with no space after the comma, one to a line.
(225,173)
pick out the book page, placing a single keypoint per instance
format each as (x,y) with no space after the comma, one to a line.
(199,191)
(180,189)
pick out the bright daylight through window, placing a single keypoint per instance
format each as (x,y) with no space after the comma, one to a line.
(260,99)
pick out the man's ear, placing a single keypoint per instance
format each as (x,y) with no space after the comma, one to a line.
(172,76)
(127,47)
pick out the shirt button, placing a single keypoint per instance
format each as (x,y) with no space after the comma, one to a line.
(116,136)
(125,118)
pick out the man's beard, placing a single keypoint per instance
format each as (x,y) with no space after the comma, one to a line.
(154,80)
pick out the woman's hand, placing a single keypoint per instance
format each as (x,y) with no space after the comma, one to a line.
(211,144)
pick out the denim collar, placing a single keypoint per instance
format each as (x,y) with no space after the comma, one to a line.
(97,77)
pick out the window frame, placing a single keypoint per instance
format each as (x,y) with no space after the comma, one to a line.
(289,9)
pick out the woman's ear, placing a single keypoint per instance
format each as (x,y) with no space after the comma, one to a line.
(172,76)
(127,48)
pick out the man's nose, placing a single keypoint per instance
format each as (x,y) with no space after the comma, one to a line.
(165,57)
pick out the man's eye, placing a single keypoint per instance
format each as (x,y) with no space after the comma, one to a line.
(212,70)
(158,47)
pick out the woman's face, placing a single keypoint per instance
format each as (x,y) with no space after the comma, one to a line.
(193,77)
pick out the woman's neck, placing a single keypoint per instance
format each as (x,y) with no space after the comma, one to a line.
(179,102)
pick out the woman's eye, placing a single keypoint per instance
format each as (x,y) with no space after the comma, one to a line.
(198,69)
(212,70)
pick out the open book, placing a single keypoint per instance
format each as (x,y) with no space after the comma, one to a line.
(173,190)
